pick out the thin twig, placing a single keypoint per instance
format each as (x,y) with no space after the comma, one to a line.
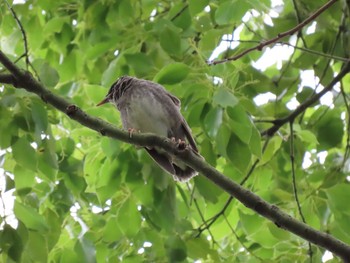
(295,189)
(296,8)
(208,223)
(314,52)
(201,214)
(22,31)
(179,13)
(307,50)
(278,37)
(347,148)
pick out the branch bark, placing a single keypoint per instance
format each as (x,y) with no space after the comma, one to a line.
(281,219)
(7,79)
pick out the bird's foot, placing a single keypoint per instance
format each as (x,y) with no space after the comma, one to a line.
(180,144)
(131,131)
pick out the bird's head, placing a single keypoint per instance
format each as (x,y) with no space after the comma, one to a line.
(117,90)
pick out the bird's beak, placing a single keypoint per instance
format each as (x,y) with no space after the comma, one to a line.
(105,100)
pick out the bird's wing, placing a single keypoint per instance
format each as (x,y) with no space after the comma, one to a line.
(162,160)
(160,89)
(177,103)
(184,124)
(188,135)
(174,99)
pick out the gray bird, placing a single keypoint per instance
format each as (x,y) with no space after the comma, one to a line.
(147,107)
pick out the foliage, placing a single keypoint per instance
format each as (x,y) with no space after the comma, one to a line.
(107,200)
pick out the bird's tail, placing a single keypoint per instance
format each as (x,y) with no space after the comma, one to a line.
(183,174)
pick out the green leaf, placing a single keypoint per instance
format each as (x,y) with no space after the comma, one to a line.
(11,243)
(330,130)
(222,139)
(207,150)
(238,153)
(338,198)
(231,12)
(172,74)
(240,123)
(170,41)
(24,178)
(264,237)
(304,94)
(39,115)
(112,231)
(209,191)
(213,121)
(250,223)
(108,180)
(307,136)
(273,146)
(99,49)
(54,25)
(165,213)
(197,6)
(95,92)
(255,143)
(34,33)
(7,25)
(126,12)
(176,249)
(85,250)
(181,17)
(7,131)
(224,98)
(48,76)
(140,62)
(24,154)
(129,218)
(110,147)
(209,41)
(110,74)
(65,147)
(30,217)
(70,66)
(199,248)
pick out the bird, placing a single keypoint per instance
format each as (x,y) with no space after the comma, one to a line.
(146,106)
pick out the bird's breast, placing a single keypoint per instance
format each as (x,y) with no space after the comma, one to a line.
(147,114)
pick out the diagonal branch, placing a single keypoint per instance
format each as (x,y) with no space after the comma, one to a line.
(7,79)
(307,103)
(279,36)
(249,199)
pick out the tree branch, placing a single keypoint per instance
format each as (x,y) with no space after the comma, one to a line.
(26,52)
(307,50)
(7,79)
(279,36)
(249,199)
(307,103)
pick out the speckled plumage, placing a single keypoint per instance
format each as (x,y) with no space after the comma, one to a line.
(147,107)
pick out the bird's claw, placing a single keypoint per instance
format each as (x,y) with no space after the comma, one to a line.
(131,131)
(180,144)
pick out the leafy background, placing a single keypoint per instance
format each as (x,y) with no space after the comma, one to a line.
(80,197)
